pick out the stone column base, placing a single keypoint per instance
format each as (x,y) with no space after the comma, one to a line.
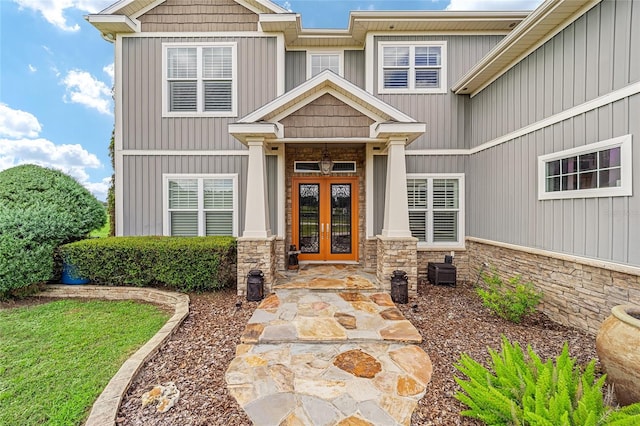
(397,253)
(256,253)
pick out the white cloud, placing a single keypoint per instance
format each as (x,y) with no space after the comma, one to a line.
(84,89)
(287,5)
(493,4)
(109,70)
(15,123)
(32,69)
(53,10)
(72,159)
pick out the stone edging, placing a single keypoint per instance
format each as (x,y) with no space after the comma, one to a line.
(106,407)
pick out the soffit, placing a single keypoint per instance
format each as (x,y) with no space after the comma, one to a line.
(132,7)
(544,22)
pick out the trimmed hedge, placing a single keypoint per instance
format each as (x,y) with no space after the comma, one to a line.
(181,263)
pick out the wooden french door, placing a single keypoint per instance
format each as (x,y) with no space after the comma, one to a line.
(325,218)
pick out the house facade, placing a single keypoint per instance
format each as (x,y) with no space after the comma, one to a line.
(505,138)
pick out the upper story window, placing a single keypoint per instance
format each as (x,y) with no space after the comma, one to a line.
(200,79)
(200,205)
(320,61)
(602,169)
(436,209)
(412,67)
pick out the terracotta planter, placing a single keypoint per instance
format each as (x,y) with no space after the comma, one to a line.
(618,344)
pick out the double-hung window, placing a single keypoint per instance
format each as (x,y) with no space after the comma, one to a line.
(436,209)
(415,67)
(318,61)
(602,169)
(200,79)
(200,205)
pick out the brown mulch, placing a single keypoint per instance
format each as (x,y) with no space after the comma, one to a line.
(451,320)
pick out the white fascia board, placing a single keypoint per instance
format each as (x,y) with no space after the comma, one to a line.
(116,6)
(324,80)
(272,6)
(103,21)
(243,131)
(280,17)
(410,130)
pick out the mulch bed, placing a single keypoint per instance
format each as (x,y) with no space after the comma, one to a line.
(451,320)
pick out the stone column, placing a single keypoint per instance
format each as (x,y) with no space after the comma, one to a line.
(256,247)
(396,248)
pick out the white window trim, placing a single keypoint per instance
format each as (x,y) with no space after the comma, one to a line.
(626,163)
(314,52)
(412,44)
(234,82)
(166,177)
(460,244)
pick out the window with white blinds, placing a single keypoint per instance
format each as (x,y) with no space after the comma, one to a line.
(200,79)
(435,209)
(412,67)
(198,206)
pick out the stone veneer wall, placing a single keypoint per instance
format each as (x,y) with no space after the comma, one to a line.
(460,261)
(370,253)
(281,254)
(339,153)
(256,253)
(577,292)
(397,253)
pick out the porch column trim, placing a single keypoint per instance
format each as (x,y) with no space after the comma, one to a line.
(396,208)
(256,219)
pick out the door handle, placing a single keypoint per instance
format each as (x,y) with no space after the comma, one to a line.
(322,231)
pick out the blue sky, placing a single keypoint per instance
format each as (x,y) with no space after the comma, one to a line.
(56,75)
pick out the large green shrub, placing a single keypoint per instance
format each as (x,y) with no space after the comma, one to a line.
(511,301)
(520,389)
(40,209)
(182,263)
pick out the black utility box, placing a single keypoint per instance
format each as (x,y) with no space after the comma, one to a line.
(441,273)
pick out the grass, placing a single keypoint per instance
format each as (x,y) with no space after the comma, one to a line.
(56,358)
(102,232)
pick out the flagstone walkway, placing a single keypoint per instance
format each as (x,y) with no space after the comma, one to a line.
(326,354)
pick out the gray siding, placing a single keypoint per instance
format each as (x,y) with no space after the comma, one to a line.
(142,195)
(445,114)
(295,68)
(354,67)
(503,200)
(143,124)
(596,54)
(272,191)
(379,189)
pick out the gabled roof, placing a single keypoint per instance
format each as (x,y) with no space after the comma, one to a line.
(132,7)
(388,120)
(543,23)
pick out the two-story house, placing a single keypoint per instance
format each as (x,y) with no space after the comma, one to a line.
(503,137)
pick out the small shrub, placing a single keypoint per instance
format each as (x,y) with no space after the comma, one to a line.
(512,301)
(182,263)
(522,390)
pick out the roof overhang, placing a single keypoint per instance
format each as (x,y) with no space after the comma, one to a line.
(543,23)
(360,23)
(133,7)
(388,121)
(110,25)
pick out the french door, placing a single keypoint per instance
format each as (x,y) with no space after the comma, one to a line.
(325,218)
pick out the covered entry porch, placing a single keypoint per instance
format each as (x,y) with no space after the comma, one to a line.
(325,134)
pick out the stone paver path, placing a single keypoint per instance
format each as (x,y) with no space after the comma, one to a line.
(311,355)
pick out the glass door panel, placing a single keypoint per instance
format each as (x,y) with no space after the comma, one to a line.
(340,218)
(309,217)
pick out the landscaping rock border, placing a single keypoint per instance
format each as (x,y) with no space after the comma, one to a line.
(106,407)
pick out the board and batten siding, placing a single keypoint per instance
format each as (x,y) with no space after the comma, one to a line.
(446,114)
(502,191)
(596,54)
(144,127)
(142,195)
(296,68)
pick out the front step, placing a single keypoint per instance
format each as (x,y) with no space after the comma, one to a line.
(303,316)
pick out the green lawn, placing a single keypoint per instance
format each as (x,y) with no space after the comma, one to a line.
(102,232)
(56,358)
